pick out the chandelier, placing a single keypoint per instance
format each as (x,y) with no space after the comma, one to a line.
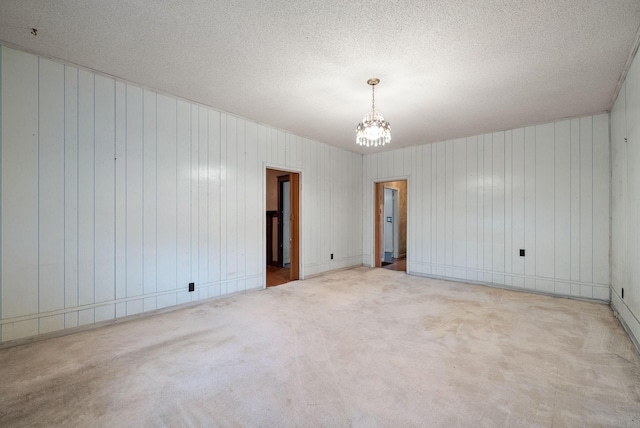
(373,131)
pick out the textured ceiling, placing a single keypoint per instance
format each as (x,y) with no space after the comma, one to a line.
(448,68)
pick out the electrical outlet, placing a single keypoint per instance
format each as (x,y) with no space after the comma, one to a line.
(331,256)
(192,286)
(521,253)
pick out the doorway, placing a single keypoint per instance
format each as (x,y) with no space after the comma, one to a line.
(391,225)
(282,223)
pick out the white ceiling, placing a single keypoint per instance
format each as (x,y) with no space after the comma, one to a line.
(448,68)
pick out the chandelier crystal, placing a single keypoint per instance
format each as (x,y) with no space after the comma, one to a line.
(373,131)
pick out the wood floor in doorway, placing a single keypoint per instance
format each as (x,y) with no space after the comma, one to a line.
(396,264)
(277,276)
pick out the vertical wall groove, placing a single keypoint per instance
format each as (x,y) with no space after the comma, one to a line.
(2,49)
(64,187)
(38,192)
(126,191)
(77,191)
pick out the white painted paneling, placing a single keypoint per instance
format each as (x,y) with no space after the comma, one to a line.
(175,192)
(337,170)
(601,192)
(194,175)
(562,190)
(105,313)
(203,201)
(134,210)
(71,194)
(632,290)
(586,203)
(136,194)
(544,201)
(51,189)
(230,201)
(619,267)
(508,206)
(86,317)
(253,194)
(104,161)
(440,206)
(498,207)
(459,222)
(480,220)
(167,198)
(51,324)
(448,218)
(517,206)
(575,205)
(86,192)
(529,206)
(149,196)
(413,209)
(505,191)
(121,196)
(183,197)
(213,219)
(487,196)
(625,205)
(19,179)
(20,329)
(472,212)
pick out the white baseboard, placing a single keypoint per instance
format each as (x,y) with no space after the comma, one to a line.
(629,322)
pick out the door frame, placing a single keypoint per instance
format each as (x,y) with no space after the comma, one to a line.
(297,235)
(375,216)
(395,221)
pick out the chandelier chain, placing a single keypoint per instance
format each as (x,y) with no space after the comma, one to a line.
(373,99)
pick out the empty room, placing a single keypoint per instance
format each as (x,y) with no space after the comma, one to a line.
(319,213)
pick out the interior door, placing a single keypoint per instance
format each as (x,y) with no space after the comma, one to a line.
(379,224)
(286,224)
(284,220)
(389,224)
(294,271)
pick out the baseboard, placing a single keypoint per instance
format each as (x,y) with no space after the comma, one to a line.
(627,320)
(313,275)
(510,288)
(315,269)
(545,286)
(128,318)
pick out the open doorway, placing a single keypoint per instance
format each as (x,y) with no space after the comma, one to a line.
(391,225)
(282,243)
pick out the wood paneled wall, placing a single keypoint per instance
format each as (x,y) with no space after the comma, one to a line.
(625,202)
(475,202)
(115,197)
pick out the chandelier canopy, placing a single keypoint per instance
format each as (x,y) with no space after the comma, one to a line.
(373,131)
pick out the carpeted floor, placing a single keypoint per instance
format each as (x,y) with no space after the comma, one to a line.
(362,347)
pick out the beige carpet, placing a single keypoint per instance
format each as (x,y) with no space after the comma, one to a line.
(361,347)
